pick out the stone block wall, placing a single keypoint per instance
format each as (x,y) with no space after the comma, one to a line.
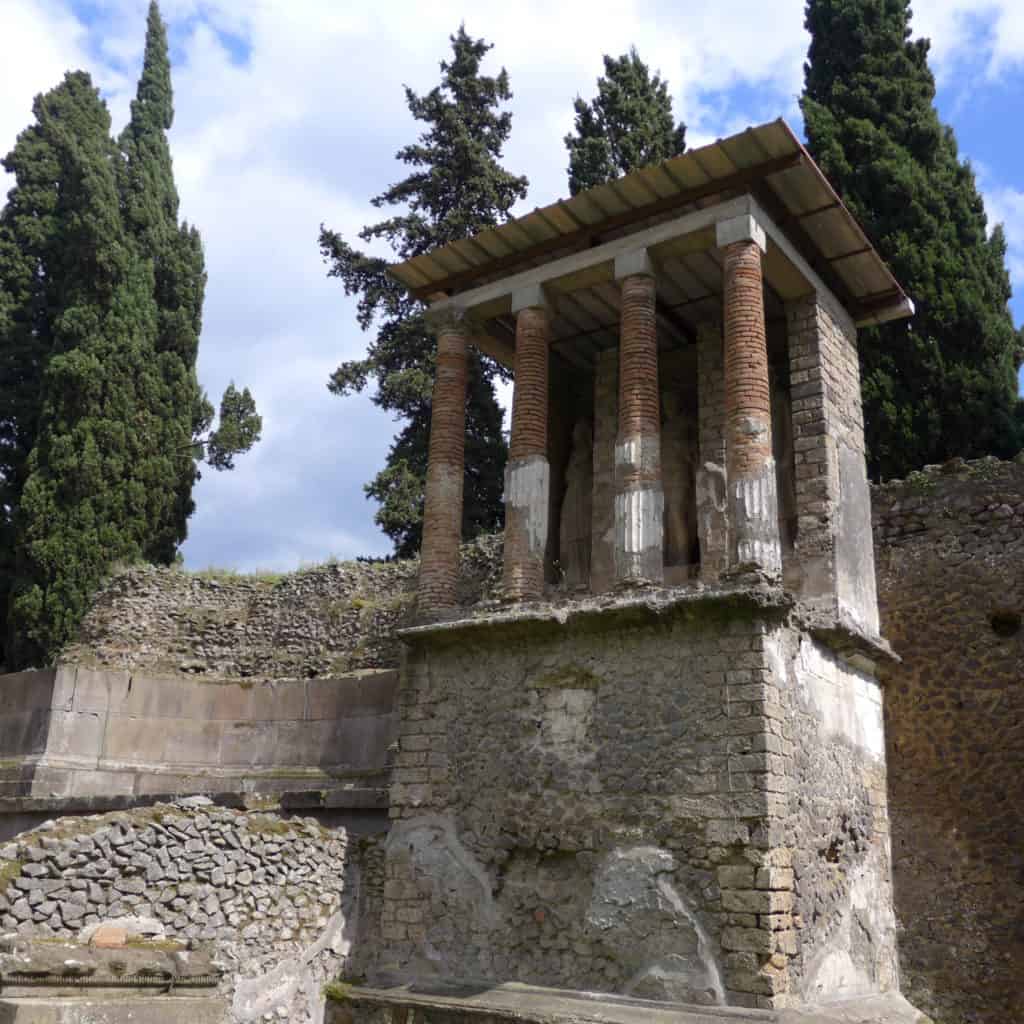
(81,732)
(279,900)
(950,553)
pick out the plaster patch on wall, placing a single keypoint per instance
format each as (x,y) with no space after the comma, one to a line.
(846,702)
(460,891)
(639,915)
(561,720)
(858,958)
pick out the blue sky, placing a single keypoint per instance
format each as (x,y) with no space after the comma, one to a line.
(289,112)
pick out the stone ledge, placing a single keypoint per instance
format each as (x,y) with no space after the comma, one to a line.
(528,1004)
(749,594)
(148,1009)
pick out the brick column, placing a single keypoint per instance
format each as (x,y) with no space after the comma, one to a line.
(527,476)
(750,465)
(442,506)
(639,501)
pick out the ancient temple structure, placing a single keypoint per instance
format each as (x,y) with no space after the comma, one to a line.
(656,770)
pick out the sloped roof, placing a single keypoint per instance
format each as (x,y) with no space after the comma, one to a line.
(768,162)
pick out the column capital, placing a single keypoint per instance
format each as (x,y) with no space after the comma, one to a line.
(744,228)
(629,264)
(533,296)
(449,318)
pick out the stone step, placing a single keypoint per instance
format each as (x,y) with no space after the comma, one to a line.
(138,1009)
(514,1003)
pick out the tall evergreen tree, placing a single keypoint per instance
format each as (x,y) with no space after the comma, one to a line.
(457,187)
(94,480)
(150,203)
(627,125)
(101,416)
(946,383)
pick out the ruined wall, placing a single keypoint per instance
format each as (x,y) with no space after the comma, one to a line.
(78,732)
(632,828)
(322,621)
(950,553)
(279,900)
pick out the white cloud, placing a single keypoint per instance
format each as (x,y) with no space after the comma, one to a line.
(967,31)
(1005,205)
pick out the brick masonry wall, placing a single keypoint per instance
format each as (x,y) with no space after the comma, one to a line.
(950,553)
(279,900)
(833,561)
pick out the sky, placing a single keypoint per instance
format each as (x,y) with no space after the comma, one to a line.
(289,113)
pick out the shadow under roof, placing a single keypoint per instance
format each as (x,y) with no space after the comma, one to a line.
(767,162)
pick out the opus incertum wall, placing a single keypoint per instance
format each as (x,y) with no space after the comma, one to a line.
(950,553)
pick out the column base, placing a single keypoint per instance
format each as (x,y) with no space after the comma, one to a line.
(639,536)
(527,484)
(755,521)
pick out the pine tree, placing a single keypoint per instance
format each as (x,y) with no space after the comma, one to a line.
(456,189)
(94,478)
(628,125)
(150,202)
(945,384)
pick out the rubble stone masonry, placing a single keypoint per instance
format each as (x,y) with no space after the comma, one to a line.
(950,552)
(281,901)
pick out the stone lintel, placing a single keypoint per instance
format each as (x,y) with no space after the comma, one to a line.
(744,228)
(636,261)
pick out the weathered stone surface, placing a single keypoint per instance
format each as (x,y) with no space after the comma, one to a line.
(321,621)
(297,905)
(648,767)
(950,551)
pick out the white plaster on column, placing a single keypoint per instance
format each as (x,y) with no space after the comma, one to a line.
(638,518)
(756,519)
(641,452)
(527,484)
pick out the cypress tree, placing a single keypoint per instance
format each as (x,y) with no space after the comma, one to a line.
(457,187)
(28,240)
(627,125)
(946,384)
(94,481)
(101,415)
(150,203)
